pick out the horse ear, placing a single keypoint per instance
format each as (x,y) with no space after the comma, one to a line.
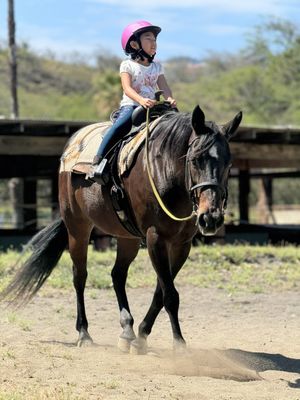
(198,120)
(230,128)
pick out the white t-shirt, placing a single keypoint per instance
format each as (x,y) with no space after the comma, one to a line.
(144,79)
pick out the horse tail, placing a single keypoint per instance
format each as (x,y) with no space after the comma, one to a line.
(46,248)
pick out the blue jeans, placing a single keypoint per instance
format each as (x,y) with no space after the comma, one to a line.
(120,128)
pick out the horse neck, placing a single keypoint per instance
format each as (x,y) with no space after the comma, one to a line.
(170,160)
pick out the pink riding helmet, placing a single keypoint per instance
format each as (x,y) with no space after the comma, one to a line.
(135,28)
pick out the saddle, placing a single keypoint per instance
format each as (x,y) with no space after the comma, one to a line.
(123,158)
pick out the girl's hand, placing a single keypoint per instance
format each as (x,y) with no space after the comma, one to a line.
(147,103)
(172,101)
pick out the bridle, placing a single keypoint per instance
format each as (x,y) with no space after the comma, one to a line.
(198,188)
(207,185)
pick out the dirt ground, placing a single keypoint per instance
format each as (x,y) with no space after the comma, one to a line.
(239,347)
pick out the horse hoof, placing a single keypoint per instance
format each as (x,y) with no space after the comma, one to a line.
(136,351)
(180,348)
(84,340)
(85,343)
(138,347)
(124,345)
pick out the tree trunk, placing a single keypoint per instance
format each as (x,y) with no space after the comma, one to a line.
(15,184)
(265,202)
(12,56)
(16,190)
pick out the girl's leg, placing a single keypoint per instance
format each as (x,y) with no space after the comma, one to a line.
(121,126)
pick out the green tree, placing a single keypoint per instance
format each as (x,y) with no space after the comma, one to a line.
(108,89)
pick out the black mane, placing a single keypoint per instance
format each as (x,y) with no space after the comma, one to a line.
(174,131)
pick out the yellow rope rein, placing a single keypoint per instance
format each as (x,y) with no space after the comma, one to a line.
(157,196)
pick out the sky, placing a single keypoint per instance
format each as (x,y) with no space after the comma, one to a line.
(191,28)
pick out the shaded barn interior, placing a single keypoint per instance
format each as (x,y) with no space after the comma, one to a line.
(30,149)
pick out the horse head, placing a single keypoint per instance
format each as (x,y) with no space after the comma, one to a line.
(208,166)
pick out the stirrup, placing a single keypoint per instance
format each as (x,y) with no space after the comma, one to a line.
(100,173)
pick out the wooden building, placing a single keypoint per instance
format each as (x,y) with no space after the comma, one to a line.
(30,149)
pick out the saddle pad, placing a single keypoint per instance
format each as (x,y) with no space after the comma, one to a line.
(128,152)
(82,147)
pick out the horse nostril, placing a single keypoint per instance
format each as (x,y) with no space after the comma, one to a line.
(202,220)
(212,218)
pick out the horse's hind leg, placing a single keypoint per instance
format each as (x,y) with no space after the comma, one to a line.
(127,250)
(78,245)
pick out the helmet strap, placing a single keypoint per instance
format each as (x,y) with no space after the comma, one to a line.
(140,53)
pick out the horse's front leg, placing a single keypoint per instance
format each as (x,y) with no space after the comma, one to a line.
(167,260)
(127,250)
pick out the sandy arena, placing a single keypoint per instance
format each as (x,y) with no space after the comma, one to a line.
(239,347)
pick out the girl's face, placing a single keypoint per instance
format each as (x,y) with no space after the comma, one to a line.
(148,42)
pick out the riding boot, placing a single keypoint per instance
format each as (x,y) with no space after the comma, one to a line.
(100,171)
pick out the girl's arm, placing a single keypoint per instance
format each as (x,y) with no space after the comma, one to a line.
(130,92)
(163,85)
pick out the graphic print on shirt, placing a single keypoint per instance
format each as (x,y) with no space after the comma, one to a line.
(144,79)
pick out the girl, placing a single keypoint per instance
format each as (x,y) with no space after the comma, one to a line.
(140,77)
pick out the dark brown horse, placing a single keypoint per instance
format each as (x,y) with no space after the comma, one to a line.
(190,162)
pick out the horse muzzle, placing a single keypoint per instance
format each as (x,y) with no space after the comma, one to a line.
(212,199)
(210,221)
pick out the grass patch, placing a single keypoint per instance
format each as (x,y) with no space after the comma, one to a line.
(31,393)
(244,268)
(234,268)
